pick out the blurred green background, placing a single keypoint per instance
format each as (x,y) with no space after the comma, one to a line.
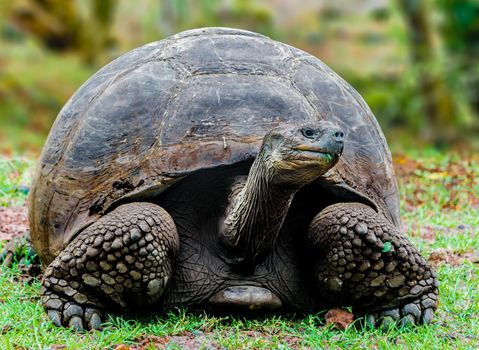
(414,61)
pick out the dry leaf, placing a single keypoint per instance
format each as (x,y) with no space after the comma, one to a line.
(339,317)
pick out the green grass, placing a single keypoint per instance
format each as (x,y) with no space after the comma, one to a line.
(15,176)
(439,194)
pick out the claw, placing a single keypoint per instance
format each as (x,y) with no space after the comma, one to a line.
(93,318)
(76,323)
(370,320)
(427,316)
(55,317)
(386,323)
(95,321)
(407,321)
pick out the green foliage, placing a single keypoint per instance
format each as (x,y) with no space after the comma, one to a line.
(15,177)
(440,197)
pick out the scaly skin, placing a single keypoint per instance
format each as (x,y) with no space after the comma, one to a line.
(122,260)
(366,262)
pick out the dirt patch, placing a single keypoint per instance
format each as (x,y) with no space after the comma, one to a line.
(200,340)
(185,340)
(452,257)
(13,222)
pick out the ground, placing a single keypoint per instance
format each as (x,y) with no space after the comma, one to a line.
(439,204)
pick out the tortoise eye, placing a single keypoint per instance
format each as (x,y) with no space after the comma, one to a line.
(308,132)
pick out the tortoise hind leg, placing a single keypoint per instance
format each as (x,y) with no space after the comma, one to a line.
(124,259)
(363,260)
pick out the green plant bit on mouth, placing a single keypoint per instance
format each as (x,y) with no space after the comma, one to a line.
(387,247)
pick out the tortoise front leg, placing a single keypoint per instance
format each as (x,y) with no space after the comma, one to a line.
(122,260)
(363,260)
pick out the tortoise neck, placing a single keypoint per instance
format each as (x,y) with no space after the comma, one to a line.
(256,211)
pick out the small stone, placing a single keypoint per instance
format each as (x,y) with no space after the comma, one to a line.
(344,220)
(110,257)
(139,265)
(143,252)
(129,259)
(343,230)
(342,262)
(80,298)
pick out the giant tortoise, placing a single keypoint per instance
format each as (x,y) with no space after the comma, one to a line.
(223,170)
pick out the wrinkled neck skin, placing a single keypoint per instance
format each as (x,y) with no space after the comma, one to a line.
(256,211)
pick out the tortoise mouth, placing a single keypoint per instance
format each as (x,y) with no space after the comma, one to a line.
(316,153)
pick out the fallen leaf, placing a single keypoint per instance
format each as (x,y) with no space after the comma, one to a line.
(122,347)
(339,317)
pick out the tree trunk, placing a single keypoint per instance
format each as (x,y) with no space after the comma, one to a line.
(438,105)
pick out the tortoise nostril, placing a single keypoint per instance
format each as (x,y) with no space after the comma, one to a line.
(338,136)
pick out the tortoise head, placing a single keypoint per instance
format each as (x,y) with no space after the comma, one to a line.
(298,154)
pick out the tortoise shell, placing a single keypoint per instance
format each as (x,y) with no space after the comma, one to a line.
(199,99)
